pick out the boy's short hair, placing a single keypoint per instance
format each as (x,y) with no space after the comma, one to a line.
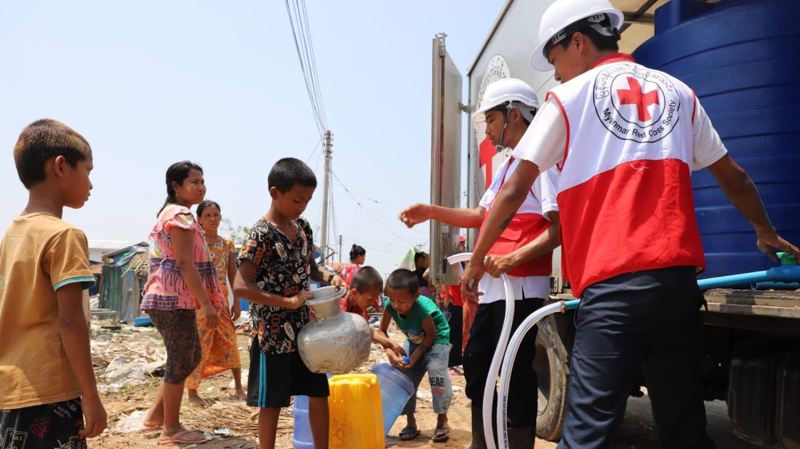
(367,279)
(289,172)
(403,279)
(42,140)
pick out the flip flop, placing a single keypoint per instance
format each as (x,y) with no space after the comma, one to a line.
(441,434)
(151,429)
(184,438)
(409,433)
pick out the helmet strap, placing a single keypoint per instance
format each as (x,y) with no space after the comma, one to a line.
(499,147)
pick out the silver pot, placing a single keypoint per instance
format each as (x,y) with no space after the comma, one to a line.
(333,342)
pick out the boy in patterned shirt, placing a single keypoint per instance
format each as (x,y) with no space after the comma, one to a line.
(276,264)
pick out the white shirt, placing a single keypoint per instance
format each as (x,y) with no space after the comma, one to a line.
(544,187)
(625,139)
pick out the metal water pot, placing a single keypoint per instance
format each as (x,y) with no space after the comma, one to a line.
(334,342)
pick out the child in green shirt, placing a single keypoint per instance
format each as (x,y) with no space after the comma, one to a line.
(427,342)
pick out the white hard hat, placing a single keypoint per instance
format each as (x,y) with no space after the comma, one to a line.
(563,13)
(510,90)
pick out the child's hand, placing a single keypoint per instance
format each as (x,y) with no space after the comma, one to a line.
(295,302)
(398,349)
(337,281)
(95,418)
(396,360)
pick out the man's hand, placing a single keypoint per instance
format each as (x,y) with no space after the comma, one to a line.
(416,214)
(769,241)
(295,302)
(497,265)
(470,278)
(95,419)
(210,315)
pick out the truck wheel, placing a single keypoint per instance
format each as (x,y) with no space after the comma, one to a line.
(551,369)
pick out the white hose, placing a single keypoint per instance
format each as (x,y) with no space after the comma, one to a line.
(494,368)
(511,355)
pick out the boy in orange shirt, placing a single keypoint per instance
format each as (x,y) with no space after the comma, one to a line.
(49,396)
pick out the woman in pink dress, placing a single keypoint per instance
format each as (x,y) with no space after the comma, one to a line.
(182,279)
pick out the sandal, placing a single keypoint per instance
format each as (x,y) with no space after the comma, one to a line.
(441,434)
(409,433)
(184,437)
(151,429)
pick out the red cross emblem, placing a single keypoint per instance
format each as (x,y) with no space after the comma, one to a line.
(635,97)
(487,152)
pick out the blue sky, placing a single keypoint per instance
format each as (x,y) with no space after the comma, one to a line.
(151,83)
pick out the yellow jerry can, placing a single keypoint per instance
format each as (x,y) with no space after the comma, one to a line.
(356,416)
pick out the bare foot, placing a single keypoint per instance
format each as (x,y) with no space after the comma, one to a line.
(180,434)
(194,398)
(241,394)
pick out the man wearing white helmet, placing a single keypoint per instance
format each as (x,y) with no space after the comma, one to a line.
(625,139)
(524,252)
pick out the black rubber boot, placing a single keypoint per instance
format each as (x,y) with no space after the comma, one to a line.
(521,437)
(478,438)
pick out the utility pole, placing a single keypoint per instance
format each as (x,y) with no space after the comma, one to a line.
(340,248)
(325,183)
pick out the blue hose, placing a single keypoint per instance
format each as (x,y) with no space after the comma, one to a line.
(783,273)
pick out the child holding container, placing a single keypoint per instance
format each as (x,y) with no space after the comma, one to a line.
(427,346)
(276,264)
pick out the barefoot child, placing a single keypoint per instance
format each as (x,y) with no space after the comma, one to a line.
(219,346)
(181,280)
(275,266)
(427,342)
(48,394)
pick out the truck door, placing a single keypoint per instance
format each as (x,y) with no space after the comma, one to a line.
(445,159)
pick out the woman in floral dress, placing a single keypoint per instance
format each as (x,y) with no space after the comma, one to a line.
(219,346)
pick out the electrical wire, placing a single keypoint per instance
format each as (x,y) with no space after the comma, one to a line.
(301,33)
(366,210)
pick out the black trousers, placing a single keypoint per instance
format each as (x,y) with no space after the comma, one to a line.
(483,339)
(455,318)
(646,320)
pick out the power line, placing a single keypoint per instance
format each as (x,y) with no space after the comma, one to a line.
(319,143)
(366,210)
(301,33)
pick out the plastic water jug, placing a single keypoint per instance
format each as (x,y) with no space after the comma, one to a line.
(333,342)
(396,389)
(302,438)
(356,418)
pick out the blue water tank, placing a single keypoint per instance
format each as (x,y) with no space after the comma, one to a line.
(742,59)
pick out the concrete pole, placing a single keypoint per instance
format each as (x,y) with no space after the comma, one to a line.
(325,183)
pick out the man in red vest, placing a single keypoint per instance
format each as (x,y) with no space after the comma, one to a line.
(524,252)
(625,139)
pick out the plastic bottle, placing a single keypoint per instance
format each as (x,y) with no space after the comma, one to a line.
(396,389)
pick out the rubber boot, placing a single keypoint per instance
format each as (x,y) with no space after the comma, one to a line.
(478,437)
(521,437)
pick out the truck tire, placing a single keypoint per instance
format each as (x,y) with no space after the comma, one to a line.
(551,369)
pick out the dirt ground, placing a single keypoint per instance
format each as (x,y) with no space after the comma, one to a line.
(143,345)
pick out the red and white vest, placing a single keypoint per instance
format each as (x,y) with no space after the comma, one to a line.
(625,192)
(527,224)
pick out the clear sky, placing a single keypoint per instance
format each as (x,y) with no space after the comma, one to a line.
(151,83)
